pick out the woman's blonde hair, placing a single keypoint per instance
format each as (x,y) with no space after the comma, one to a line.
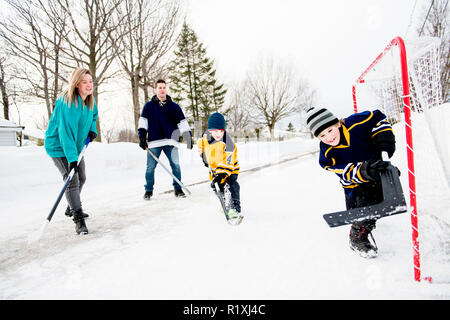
(70,94)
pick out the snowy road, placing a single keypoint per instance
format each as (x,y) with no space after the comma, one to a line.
(171,248)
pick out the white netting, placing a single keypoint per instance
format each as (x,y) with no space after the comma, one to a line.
(385,80)
(424,72)
(382,88)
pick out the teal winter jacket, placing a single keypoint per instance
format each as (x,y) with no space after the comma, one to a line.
(68,129)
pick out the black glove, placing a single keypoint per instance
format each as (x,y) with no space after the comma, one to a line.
(205,162)
(370,170)
(92,135)
(143,139)
(74,166)
(143,144)
(385,141)
(218,178)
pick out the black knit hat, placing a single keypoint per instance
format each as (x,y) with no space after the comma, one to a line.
(318,119)
(216,121)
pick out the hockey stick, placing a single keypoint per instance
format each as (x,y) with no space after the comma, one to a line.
(393,202)
(219,195)
(36,236)
(165,168)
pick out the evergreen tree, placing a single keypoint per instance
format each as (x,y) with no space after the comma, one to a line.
(290,127)
(193,78)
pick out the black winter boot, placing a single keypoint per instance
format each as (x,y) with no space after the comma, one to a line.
(68,213)
(179,193)
(148,195)
(359,239)
(80,225)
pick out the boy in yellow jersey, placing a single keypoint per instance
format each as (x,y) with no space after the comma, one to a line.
(219,153)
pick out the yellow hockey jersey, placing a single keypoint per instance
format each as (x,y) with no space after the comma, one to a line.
(221,155)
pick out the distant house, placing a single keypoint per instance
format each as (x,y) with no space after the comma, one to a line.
(9,131)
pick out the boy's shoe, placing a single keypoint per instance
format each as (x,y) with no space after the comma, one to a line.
(148,195)
(80,225)
(68,213)
(179,193)
(359,240)
(233,214)
(234,217)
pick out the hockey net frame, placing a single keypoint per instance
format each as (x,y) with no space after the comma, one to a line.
(408,92)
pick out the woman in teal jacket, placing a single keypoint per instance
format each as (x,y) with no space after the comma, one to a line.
(73,120)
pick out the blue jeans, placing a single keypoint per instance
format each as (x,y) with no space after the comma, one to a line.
(171,153)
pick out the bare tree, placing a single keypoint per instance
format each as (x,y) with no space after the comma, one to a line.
(126,135)
(307,100)
(93,27)
(274,91)
(3,89)
(57,22)
(8,87)
(34,40)
(149,28)
(238,114)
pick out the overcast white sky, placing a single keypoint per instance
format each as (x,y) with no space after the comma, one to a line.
(330,41)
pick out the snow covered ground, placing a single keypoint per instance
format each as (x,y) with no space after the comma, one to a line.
(170,248)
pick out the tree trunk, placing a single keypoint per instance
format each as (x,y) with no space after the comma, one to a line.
(47,94)
(146,91)
(271,130)
(99,135)
(135,95)
(5,98)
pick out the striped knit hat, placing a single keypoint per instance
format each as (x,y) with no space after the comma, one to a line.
(318,119)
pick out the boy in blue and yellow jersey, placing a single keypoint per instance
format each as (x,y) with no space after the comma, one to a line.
(351,148)
(219,152)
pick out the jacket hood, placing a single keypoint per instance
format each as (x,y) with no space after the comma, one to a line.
(155,98)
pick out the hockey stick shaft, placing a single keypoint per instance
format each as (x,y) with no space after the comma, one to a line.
(66,183)
(36,236)
(167,170)
(217,192)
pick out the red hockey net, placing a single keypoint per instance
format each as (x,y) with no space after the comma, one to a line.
(408,90)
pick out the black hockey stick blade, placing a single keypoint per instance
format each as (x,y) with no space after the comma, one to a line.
(393,203)
(221,199)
